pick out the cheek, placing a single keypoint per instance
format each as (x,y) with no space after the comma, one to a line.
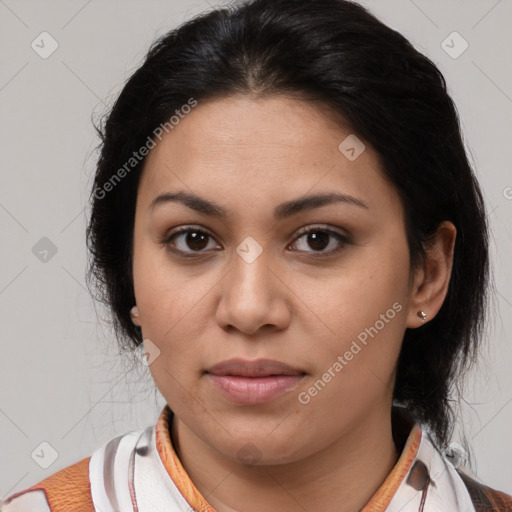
(172,307)
(173,313)
(166,293)
(355,296)
(355,363)
(364,306)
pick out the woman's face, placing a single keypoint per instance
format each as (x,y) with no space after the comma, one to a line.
(247,280)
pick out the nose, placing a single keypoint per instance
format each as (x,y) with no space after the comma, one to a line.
(253,296)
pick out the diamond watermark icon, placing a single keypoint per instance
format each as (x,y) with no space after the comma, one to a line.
(249,454)
(351,147)
(249,249)
(454,45)
(147,352)
(44,455)
(44,250)
(456,454)
(44,45)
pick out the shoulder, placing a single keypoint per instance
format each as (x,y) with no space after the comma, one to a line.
(68,490)
(485,498)
(75,487)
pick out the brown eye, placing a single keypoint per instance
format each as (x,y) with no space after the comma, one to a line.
(196,240)
(325,242)
(318,240)
(187,241)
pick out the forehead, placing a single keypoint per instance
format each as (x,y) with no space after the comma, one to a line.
(259,149)
(279,124)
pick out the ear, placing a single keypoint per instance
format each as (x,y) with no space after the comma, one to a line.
(134,313)
(432,278)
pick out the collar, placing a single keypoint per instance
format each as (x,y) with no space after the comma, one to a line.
(141,471)
(173,464)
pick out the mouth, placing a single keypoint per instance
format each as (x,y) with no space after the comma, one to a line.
(256,368)
(247,382)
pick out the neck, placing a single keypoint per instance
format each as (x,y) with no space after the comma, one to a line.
(341,478)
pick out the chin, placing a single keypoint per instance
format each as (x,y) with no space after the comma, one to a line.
(258,447)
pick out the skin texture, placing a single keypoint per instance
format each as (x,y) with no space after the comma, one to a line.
(248,155)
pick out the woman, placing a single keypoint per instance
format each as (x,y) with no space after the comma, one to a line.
(284,216)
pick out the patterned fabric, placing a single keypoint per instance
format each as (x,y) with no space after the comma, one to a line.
(141,472)
(485,498)
(67,490)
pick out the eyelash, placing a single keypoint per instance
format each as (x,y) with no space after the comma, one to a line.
(342,239)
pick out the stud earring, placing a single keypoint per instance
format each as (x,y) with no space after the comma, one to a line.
(422,314)
(134,313)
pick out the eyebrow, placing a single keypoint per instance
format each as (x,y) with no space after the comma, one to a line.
(282,211)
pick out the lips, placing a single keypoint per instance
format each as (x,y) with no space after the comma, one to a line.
(256,368)
(245,382)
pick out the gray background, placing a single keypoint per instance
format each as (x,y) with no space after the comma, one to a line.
(61,380)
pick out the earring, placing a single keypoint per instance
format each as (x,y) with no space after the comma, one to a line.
(422,314)
(134,313)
